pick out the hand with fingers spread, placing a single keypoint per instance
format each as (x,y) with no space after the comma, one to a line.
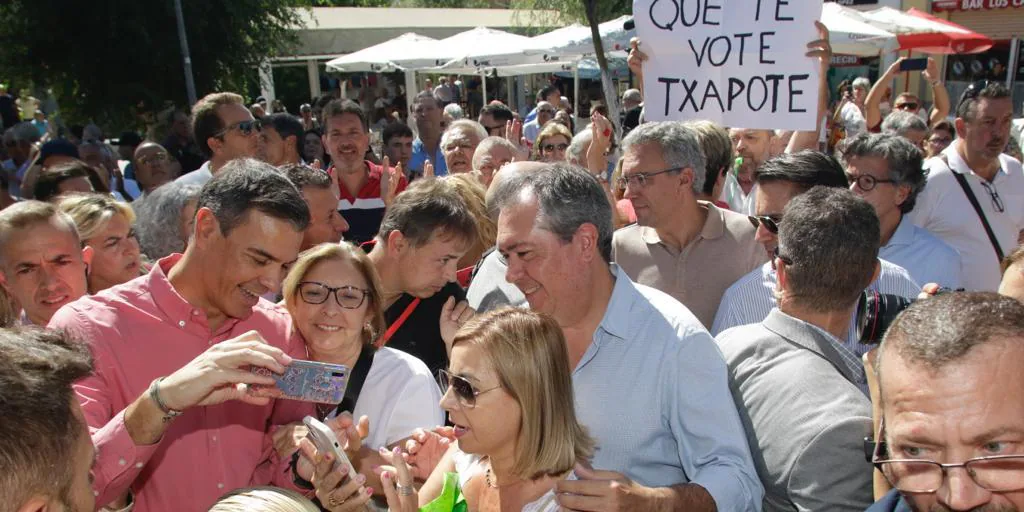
(428,169)
(426,448)
(605,491)
(222,373)
(452,317)
(335,490)
(601,140)
(514,134)
(397,482)
(389,179)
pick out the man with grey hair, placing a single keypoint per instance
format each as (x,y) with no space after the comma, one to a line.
(459,142)
(576,154)
(164,219)
(675,441)
(632,102)
(678,238)
(906,125)
(811,456)
(886,171)
(545,112)
(949,382)
(490,156)
(19,140)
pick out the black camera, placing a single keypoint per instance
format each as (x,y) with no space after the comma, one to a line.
(876,311)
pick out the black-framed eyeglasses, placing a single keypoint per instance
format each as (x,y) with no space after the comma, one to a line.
(997,202)
(640,179)
(348,297)
(972,91)
(246,128)
(867,182)
(906,106)
(464,390)
(994,473)
(770,222)
(547,148)
(940,141)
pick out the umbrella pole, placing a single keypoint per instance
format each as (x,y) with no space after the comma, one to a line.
(483,77)
(576,90)
(906,76)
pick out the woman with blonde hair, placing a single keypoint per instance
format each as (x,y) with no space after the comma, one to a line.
(106,226)
(473,194)
(264,499)
(508,393)
(552,142)
(333,295)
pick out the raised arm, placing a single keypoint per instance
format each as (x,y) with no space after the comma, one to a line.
(822,50)
(940,96)
(872,104)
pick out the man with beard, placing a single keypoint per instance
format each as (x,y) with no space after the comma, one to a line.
(972,199)
(949,379)
(366,189)
(754,147)
(225,130)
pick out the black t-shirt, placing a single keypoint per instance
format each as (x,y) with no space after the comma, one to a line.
(420,334)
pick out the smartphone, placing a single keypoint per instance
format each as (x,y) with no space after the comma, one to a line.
(309,381)
(919,64)
(326,442)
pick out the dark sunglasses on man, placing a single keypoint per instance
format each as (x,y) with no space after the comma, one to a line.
(770,222)
(246,128)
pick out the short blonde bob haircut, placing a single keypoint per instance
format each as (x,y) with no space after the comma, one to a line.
(264,499)
(91,212)
(551,129)
(348,253)
(529,356)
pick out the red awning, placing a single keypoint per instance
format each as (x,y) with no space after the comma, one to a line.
(945,37)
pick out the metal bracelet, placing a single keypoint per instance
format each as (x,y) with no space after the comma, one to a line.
(154,393)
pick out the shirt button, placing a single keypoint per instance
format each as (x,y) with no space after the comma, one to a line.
(138,465)
(96,494)
(195,312)
(215,439)
(122,462)
(220,486)
(181,323)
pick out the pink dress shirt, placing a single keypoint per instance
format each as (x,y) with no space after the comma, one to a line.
(144,329)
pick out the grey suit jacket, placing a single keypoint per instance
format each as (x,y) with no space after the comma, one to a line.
(805,418)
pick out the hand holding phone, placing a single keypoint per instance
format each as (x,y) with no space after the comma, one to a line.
(327,442)
(308,381)
(918,64)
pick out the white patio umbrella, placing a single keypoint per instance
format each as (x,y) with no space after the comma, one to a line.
(379,58)
(614,37)
(480,41)
(852,34)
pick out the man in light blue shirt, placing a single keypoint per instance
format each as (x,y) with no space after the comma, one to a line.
(887,171)
(779,180)
(426,111)
(650,384)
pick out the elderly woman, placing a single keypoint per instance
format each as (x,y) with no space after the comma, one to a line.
(459,142)
(333,295)
(850,112)
(165,219)
(552,142)
(508,392)
(941,136)
(105,226)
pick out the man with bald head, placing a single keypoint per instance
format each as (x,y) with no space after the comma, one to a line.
(489,288)
(490,156)
(545,113)
(949,379)
(152,167)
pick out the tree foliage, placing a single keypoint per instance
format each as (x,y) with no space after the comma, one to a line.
(108,60)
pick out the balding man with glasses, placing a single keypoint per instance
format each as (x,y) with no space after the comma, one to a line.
(974,200)
(952,418)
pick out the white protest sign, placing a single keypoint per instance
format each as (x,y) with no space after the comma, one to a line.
(738,63)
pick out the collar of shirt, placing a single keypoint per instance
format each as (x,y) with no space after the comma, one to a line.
(170,302)
(618,315)
(789,326)
(904,234)
(714,226)
(958,165)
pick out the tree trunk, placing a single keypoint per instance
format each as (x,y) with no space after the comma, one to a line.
(610,95)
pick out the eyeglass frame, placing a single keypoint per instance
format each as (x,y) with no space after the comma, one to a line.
(161,155)
(909,105)
(771,224)
(882,446)
(642,177)
(257,127)
(332,290)
(993,194)
(446,376)
(545,148)
(874,182)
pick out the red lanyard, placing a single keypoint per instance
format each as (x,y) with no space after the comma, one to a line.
(398,323)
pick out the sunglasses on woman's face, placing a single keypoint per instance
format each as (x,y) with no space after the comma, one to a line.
(547,148)
(463,389)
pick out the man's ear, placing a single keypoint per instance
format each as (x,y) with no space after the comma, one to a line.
(586,239)
(396,243)
(205,228)
(35,504)
(215,144)
(87,254)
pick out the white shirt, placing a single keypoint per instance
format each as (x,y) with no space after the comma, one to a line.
(926,258)
(752,297)
(944,210)
(853,120)
(197,177)
(399,396)
(738,201)
(531,130)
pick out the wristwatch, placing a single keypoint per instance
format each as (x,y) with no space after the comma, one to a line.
(154,394)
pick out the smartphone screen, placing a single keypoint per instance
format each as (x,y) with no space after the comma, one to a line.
(914,64)
(309,381)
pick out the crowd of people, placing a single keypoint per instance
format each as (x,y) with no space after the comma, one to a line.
(629,316)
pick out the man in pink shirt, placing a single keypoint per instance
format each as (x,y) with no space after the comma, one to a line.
(167,404)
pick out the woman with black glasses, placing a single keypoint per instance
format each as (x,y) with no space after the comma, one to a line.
(333,295)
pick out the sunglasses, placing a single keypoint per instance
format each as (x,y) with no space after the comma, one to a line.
(906,106)
(972,91)
(246,128)
(547,110)
(770,222)
(463,389)
(547,148)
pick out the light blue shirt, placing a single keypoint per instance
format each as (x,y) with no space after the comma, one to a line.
(197,177)
(926,258)
(420,157)
(752,297)
(653,391)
